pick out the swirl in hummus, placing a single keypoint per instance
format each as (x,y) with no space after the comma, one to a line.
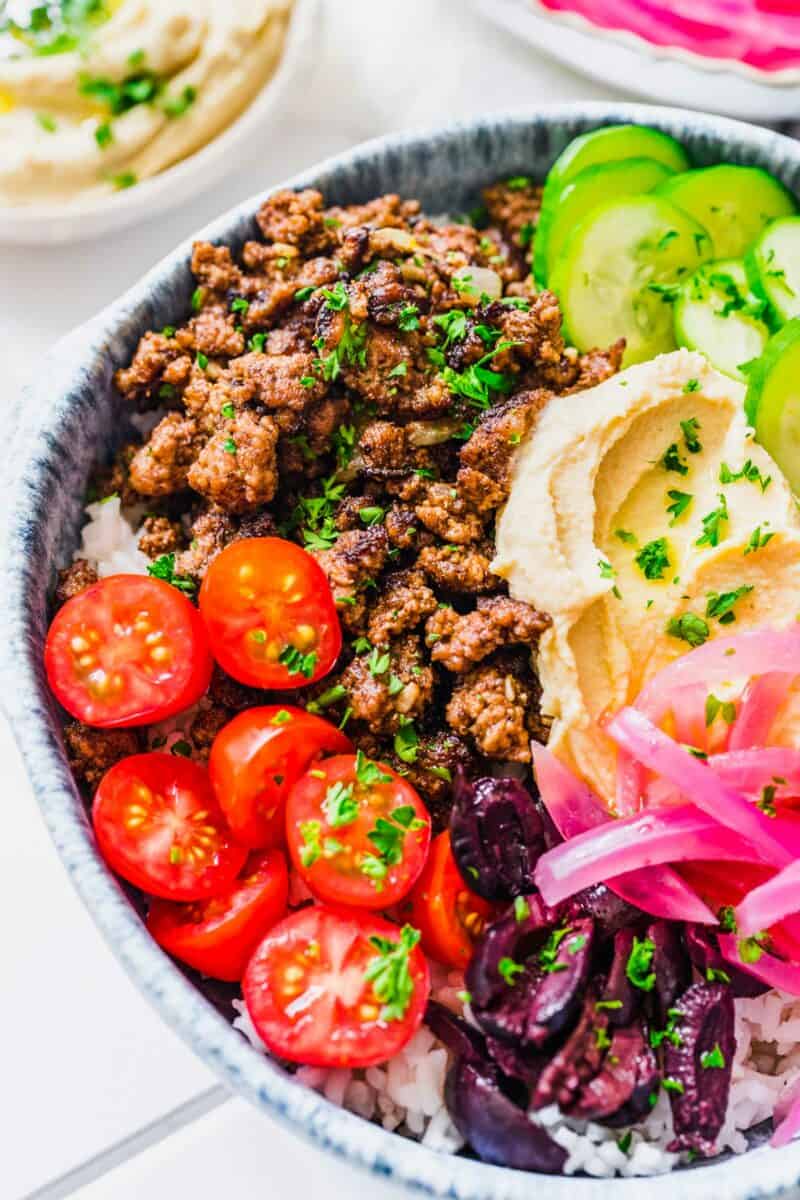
(645,520)
(96,95)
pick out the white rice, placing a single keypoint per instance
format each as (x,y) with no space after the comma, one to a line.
(407,1093)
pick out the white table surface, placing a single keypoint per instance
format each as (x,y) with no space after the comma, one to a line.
(99,1099)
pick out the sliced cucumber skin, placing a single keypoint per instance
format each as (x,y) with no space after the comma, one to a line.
(608,144)
(590,187)
(772,404)
(725,341)
(603,276)
(734,203)
(773,252)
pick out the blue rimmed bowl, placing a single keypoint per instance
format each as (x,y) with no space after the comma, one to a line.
(71,418)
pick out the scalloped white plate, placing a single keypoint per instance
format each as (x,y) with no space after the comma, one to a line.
(51,224)
(670,76)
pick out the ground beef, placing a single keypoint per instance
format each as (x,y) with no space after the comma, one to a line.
(92,752)
(159,535)
(322,384)
(74,579)
(458,640)
(495,705)
(237,468)
(389,686)
(403,603)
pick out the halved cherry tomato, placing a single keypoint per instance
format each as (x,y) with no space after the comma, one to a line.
(332,988)
(270,614)
(255,760)
(725,885)
(357,832)
(158,825)
(128,650)
(448,915)
(218,936)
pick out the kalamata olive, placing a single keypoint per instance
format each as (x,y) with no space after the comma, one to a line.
(609,911)
(622,1090)
(528,973)
(698,1063)
(621,998)
(498,1130)
(671,966)
(515,1062)
(704,953)
(459,1037)
(578,1060)
(497,836)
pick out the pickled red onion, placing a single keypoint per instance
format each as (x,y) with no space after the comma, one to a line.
(649,838)
(751,770)
(574,808)
(768,969)
(757,711)
(779,897)
(657,751)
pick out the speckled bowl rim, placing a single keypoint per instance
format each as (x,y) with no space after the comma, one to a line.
(40,450)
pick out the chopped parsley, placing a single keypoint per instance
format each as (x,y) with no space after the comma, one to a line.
(606,569)
(691,385)
(757,540)
(331,696)
(720,604)
(256,343)
(713,1059)
(689,628)
(672,460)
(303,294)
(640,961)
(548,955)
(126,179)
(406,741)
(104,135)
(715,706)
(228,411)
(668,1034)
(611,1005)
(689,429)
(454,324)
(298,663)
(229,446)
(477,382)
(727,918)
(749,472)
(522,909)
(368,773)
(176,106)
(679,502)
(653,559)
(311,849)
(372,515)
(408,318)
(712,525)
(508,970)
(625,536)
(163,567)
(389,973)
(767,801)
(750,948)
(673,1085)
(340,806)
(379,663)
(201,360)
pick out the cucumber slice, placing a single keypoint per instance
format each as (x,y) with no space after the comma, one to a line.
(773,267)
(734,203)
(716,313)
(772,404)
(593,186)
(616,274)
(610,144)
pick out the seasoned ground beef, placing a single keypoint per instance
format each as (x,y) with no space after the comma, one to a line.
(92,752)
(74,579)
(341,384)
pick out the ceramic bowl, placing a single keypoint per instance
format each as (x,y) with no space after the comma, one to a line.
(669,75)
(71,417)
(34,225)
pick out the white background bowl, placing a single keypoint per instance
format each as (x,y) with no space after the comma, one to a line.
(670,76)
(34,225)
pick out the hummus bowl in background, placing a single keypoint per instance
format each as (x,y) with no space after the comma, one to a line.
(204,160)
(72,418)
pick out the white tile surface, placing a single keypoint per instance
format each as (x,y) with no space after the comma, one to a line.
(85,1062)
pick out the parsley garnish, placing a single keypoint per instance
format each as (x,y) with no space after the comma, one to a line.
(713,1058)
(522,909)
(454,324)
(477,382)
(714,706)
(639,963)
(328,697)
(749,472)
(368,773)
(303,294)
(508,970)
(712,525)
(339,805)
(673,1085)
(297,663)
(689,628)
(720,605)
(757,540)
(689,429)
(691,385)
(406,741)
(408,318)
(163,567)
(548,955)
(625,536)
(379,663)
(653,559)
(727,918)
(389,973)
(672,460)
(256,343)
(767,801)
(680,501)
(311,849)
(372,515)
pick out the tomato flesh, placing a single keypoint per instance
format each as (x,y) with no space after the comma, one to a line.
(158,825)
(358,833)
(449,916)
(129,650)
(218,936)
(308,995)
(270,614)
(255,760)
